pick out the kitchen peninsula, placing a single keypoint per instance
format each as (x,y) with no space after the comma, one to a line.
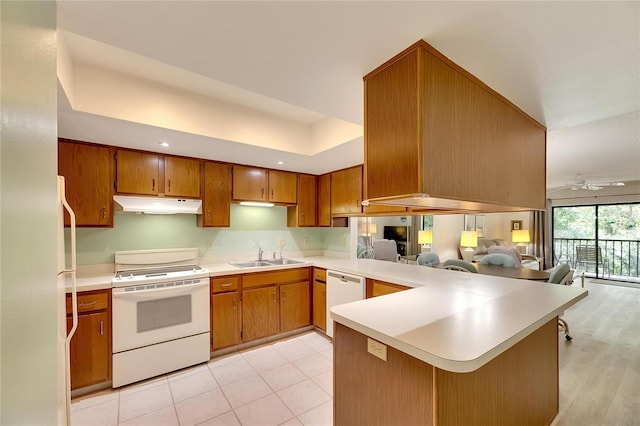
(460,349)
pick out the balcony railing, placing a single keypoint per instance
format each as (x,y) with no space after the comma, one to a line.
(616,259)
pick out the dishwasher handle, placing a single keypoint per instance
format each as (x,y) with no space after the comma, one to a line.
(344,277)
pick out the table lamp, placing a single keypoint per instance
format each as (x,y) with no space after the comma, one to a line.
(521,237)
(469,239)
(425,238)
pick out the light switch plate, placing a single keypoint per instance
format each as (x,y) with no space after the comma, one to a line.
(377,349)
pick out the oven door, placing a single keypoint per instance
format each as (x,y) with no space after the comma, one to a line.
(144,316)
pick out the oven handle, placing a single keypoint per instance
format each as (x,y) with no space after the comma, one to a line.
(120,292)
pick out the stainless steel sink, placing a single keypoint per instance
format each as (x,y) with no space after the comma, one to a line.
(258,263)
(283,262)
(253,264)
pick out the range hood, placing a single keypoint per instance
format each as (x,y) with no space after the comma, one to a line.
(157,205)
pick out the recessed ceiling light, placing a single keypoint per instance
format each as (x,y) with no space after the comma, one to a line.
(164,144)
(281,162)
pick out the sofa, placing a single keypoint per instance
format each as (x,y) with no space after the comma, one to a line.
(498,245)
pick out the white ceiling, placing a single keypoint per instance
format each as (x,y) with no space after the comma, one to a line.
(573,66)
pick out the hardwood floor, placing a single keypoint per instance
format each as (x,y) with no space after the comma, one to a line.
(600,367)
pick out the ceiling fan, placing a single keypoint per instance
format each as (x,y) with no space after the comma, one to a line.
(579,183)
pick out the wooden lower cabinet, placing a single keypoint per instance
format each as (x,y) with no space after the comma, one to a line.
(377,288)
(259,313)
(90,349)
(320,305)
(225,320)
(295,310)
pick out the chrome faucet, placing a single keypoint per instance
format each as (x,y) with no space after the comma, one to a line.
(260,251)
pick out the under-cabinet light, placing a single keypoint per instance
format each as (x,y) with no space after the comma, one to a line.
(256,204)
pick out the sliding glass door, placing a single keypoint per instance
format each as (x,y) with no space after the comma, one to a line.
(602,241)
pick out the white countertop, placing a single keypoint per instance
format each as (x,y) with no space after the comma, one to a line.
(453,320)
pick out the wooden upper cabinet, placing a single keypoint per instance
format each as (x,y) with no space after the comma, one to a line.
(216,194)
(250,183)
(433,128)
(346,191)
(181,177)
(324,200)
(148,173)
(283,187)
(88,173)
(304,213)
(138,172)
(256,184)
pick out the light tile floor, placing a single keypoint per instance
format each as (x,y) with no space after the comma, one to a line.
(289,382)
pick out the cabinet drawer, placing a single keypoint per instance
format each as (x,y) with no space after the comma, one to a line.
(222,284)
(276,277)
(89,301)
(320,275)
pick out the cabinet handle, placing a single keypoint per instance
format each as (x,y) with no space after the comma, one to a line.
(80,305)
(153,184)
(274,297)
(225,285)
(272,194)
(234,304)
(169,185)
(104,212)
(209,214)
(262,193)
(102,328)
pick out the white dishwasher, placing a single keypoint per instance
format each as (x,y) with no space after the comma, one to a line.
(342,288)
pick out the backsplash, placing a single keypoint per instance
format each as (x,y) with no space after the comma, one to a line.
(250,227)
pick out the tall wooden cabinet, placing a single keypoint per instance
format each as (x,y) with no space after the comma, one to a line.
(216,194)
(324,200)
(91,343)
(346,191)
(305,211)
(88,173)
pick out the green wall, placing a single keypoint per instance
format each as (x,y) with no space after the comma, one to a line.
(250,227)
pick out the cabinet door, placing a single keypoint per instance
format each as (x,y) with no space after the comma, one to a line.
(259,313)
(306,200)
(225,321)
(320,305)
(137,172)
(249,183)
(181,177)
(283,187)
(90,351)
(88,173)
(346,191)
(294,306)
(216,198)
(324,200)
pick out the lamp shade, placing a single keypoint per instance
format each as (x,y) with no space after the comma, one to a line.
(425,237)
(469,239)
(372,228)
(520,236)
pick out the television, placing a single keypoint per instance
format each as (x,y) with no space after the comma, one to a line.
(397,233)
